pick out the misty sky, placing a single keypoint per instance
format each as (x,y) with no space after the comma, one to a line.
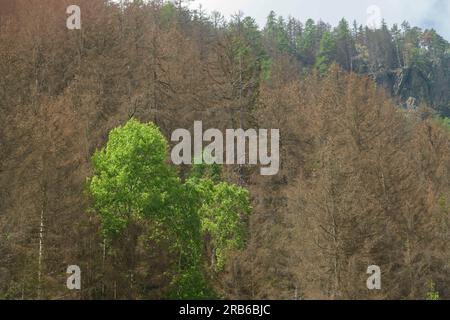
(423,13)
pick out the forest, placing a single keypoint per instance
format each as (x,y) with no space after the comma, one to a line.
(86,118)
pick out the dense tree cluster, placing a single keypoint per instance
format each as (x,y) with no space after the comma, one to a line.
(369,185)
(365,159)
(407,61)
(142,203)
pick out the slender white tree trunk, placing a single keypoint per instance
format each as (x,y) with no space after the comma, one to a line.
(41,244)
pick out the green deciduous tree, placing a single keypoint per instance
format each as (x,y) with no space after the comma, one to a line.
(132,178)
(223,207)
(134,184)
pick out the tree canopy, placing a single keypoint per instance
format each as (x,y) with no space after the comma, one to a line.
(134,184)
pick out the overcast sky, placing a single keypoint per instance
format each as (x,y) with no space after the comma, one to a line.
(422,13)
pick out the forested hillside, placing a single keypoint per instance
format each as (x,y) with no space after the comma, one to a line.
(364,148)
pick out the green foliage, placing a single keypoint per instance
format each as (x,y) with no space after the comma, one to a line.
(408,61)
(326,53)
(306,43)
(222,211)
(266,68)
(132,179)
(445,122)
(442,202)
(276,32)
(432,294)
(344,44)
(191,283)
(213,172)
(133,183)
(168,13)
(249,59)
